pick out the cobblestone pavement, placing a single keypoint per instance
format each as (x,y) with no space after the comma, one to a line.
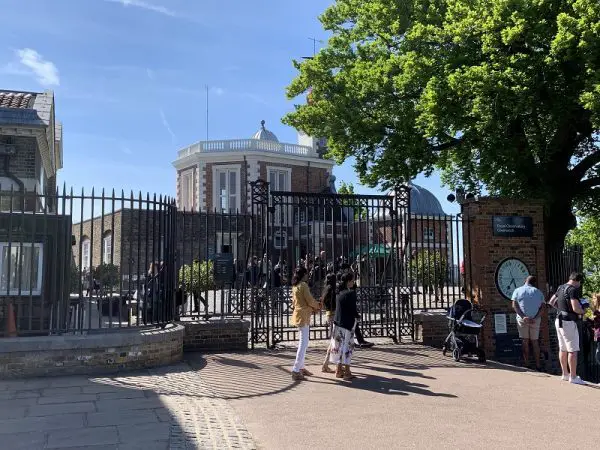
(167,408)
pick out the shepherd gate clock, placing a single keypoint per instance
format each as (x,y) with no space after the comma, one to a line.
(510,274)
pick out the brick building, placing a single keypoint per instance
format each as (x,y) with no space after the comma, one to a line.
(30,147)
(34,247)
(215,175)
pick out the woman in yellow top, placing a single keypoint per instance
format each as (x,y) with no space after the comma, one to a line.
(304,306)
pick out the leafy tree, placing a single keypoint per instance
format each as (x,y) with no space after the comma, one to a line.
(587,234)
(197,277)
(346,189)
(429,268)
(502,95)
(108,276)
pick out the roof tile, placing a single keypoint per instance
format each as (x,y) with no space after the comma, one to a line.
(20,100)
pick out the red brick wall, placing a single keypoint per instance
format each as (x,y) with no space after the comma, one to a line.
(486,251)
(304,178)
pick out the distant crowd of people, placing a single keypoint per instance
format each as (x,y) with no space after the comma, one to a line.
(261,272)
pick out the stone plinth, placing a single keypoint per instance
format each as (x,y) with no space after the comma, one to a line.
(216,335)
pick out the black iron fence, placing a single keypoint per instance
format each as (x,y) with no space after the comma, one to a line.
(73,262)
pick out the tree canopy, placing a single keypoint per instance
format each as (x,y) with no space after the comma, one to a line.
(500,94)
(587,235)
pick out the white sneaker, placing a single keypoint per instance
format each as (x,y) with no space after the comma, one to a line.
(565,378)
(577,380)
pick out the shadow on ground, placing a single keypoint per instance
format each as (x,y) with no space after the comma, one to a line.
(391,371)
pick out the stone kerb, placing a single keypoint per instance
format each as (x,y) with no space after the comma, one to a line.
(484,252)
(90,354)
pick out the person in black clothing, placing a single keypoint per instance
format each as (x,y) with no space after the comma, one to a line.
(566,300)
(328,299)
(360,340)
(345,320)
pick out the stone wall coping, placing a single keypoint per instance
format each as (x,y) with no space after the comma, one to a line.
(119,338)
(505,200)
(216,323)
(428,316)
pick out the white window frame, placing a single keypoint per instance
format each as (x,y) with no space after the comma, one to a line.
(216,194)
(428,234)
(186,182)
(37,289)
(86,260)
(107,249)
(287,188)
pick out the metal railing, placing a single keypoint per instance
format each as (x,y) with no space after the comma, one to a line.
(79,262)
(244,145)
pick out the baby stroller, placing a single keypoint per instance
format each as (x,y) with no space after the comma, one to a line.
(463,338)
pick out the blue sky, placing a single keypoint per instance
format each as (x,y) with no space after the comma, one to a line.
(130,76)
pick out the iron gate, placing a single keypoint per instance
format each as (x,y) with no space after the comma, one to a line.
(324,232)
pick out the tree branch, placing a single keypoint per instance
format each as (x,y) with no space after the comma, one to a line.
(589,183)
(585,164)
(453,142)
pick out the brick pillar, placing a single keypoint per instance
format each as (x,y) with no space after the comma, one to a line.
(484,251)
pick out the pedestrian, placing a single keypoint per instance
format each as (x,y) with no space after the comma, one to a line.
(527,302)
(569,309)
(329,301)
(345,320)
(304,306)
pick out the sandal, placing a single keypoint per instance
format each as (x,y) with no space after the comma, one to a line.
(327,369)
(339,372)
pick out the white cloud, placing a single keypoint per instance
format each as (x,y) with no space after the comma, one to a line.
(150,74)
(147,6)
(167,126)
(217,91)
(126,149)
(45,71)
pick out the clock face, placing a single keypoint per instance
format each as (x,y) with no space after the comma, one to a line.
(510,274)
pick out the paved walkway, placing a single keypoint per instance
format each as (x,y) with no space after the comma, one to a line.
(169,408)
(405,396)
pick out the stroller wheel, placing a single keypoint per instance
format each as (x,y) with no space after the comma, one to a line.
(456,354)
(481,356)
(444,349)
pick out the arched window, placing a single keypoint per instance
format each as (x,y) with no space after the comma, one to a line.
(107,247)
(86,249)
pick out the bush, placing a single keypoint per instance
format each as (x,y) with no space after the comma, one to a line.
(197,277)
(429,268)
(108,276)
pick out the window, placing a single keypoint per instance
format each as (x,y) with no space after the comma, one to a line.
(227,243)
(85,254)
(226,188)
(187,191)
(107,248)
(280,240)
(21,268)
(428,234)
(280,180)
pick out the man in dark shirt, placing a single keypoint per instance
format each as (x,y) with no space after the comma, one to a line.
(566,300)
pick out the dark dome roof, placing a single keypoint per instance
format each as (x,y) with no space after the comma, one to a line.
(423,202)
